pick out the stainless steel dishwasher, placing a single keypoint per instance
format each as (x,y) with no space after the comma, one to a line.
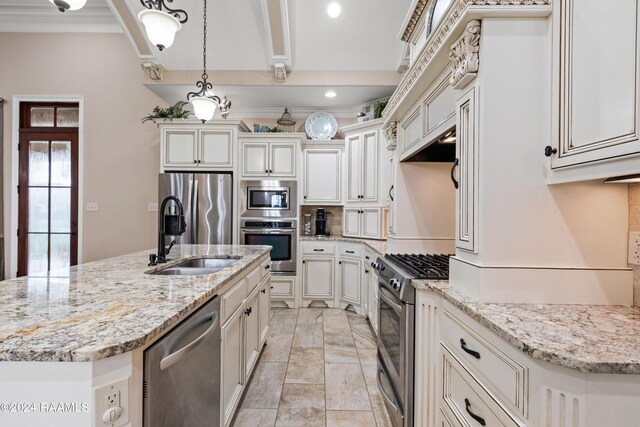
(182,373)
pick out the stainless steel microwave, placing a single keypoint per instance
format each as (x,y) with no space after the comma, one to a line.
(268,198)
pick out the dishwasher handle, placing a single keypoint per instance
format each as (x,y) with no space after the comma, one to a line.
(176,356)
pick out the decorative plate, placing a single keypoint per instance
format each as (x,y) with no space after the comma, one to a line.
(321,125)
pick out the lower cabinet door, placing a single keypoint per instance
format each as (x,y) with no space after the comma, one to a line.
(264,309)
(317,277)
(350,280)
(251,313)
(232,369)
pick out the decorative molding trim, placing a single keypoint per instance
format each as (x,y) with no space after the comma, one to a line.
(153,71)
(414,20)
(391,132)
(286,56)
(45,18)
(456,10)
(297,113)
(465,56)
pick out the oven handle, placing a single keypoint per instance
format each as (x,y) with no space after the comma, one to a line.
(384,393)
(396,307)
(284,230)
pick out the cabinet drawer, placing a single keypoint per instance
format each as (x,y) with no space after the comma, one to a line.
(319,248)
(254,278)
(265,267)
(353,250)
(463,397)
(482,359)
(282,287)
(232,299)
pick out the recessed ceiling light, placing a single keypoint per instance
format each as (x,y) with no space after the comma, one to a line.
(334,10)
(330,94)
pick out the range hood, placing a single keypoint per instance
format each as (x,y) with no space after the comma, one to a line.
(442,149)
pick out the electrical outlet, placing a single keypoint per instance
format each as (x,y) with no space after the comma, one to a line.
(152,207)
(111,404)
(634,248)
(92,206)
(112,400)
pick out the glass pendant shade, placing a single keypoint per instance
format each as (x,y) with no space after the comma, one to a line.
(203,107)
(161,27)
(68,4)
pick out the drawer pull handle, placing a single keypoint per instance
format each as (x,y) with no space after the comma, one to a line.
(351,252)
(480,420)
(474,353)
(318,250)
(264,291)
(266,267)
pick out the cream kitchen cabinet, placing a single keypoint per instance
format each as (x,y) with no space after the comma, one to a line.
(362,222)
(596,118)
(391,187)
(350,276)
(269,156)
(283,289)
(427,343)
(185,147)
(362,166)
(322,175)
(318,272)
(264,310)
(466,164)
(370,288)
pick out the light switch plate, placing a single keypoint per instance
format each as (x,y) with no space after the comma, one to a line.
(634,248)
(92,206)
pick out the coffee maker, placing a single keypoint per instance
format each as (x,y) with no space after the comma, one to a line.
(321,222)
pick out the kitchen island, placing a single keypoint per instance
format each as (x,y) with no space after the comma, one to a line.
(63,335)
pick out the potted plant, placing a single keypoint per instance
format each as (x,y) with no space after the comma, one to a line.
(377,113)
(175,111)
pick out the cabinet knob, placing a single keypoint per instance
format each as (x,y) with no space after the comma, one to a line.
(548,151)
(266,171)
(303,261)
(199,161)
(270,171)
(195,161)
(264,291)
(339,262)
(305,197)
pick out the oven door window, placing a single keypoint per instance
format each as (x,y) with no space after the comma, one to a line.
(390,332)
(268,199)
(281,244)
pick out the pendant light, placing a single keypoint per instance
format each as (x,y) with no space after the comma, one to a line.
(64,5)
(161,27)
(204,101)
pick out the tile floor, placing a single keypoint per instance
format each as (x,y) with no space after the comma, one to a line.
(318,369)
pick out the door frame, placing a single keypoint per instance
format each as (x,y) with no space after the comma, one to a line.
(12,262)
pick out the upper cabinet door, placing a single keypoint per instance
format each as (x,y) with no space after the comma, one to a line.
(467,157)
(371,223)
(322,175)
(596,64)
(180,147)
(351,222)
(255,158)
(216,149)
(283,159)
(369,179)
(354,167)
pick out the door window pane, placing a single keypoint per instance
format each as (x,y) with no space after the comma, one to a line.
(60,210)
(37,254)
(67,117)
(42,116)
(61,163)
(38,210)
(60,251)
(39,163)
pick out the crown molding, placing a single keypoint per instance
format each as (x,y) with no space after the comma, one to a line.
(274,113)
(45,18)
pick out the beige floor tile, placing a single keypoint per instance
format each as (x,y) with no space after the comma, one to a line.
(356,319)
(369,362)
(344,340)
(346,389)
(263,391)
(255,418)
(363,336)
(350,419)
(379,408)
(333,312)
(310,315)
(306,366)
(340,349)
(336,325)
(308,335)
(302,405)
(284,321)
(277,348)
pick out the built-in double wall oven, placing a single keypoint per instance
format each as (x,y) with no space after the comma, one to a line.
(268,211)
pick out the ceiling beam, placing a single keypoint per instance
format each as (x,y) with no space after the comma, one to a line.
(275,14)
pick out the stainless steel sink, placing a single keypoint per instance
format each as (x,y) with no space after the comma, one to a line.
(197,266)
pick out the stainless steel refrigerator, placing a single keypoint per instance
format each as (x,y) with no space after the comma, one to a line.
(207,202)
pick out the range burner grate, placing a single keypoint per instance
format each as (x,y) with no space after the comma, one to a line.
(433,267)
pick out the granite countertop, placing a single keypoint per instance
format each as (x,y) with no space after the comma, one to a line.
(379,246)
(104,308)
(588,338)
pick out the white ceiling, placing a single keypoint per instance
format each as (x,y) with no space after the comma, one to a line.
(362,38)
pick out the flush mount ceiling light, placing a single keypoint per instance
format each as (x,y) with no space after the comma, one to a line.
(625,179)
(330,94)
(161,27)
(64,5)
(333,10)
(204,101)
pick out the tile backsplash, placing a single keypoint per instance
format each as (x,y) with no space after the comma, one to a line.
(634,225)
(334,216)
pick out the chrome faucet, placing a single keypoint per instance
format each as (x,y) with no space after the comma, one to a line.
(178,228)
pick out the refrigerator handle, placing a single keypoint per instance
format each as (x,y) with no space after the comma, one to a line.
(194,213)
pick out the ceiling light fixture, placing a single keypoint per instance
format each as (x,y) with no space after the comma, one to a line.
(330,94)
(334,10)
(204,101)
(64,5)
(161,27)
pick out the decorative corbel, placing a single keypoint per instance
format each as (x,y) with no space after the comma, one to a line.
(465,56)
(391,132)
(154,71)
